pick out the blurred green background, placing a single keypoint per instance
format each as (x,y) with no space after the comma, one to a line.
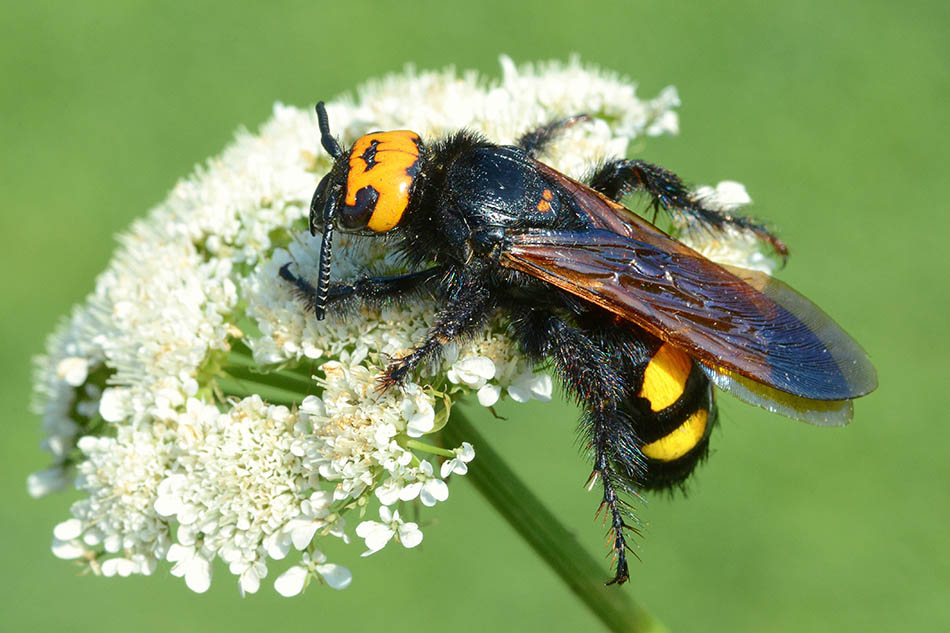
(834,114)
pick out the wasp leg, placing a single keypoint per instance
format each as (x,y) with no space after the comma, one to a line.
(592,365)
(621,176)
(369,290)
(467,311)
(601,428)
(535,141)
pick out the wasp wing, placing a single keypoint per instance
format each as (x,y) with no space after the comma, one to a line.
(747,323)
(601,211)
(604,213)
(818,412)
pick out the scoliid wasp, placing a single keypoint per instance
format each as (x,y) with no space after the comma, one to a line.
(636,325)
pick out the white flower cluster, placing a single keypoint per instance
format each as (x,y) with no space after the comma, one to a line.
(204,415)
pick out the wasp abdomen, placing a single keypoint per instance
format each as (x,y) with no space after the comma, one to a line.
(674,413)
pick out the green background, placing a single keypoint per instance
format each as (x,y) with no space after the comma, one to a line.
(833,114)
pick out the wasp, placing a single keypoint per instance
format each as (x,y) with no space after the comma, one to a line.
(637,326)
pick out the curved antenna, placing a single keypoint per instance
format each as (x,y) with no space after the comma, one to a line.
(332,148)
(326,250)
(329,143)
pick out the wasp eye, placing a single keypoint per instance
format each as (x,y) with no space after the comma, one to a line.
(316,207)
(357,216)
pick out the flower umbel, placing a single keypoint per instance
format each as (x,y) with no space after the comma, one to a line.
(205,415)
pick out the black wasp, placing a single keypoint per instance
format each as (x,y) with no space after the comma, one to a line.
(637,326)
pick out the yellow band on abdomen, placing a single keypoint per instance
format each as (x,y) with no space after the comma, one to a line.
(664,379)
(681,440)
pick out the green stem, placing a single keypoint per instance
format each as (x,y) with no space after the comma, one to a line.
(240,356)
(429,448)
(270,394)
(284,381)
(545,534)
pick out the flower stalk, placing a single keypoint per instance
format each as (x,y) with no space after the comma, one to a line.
(540,528)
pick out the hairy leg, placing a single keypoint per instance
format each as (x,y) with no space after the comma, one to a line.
(467,310)
(535,141)
(369,290)
(621,176)
(588,364)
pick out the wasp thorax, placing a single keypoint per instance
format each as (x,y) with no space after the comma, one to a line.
(378,183)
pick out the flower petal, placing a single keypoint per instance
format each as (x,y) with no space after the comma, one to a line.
(292,581)
(433,491)
(337,576)
(488,395)
(409,534)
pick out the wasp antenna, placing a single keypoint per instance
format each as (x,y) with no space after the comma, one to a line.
(326,249)
(323,281)
(329,143)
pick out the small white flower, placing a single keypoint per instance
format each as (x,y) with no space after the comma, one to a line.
(114,405)
(419,412)
(530,385)
(473,372)
(73,370)
(43,482)
(409,535)
(293,581)
(169,501)
(336,576)
(67,550)
(377,535)
(277,544)
(313,514)
(433,490)
(249,576)
(118,566)
(192,565)
(410,491)
(68,530)
(458,465)
(488,395)
(389,492)
(727,196)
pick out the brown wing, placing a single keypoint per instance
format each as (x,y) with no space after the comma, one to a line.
(602,212)
(753,325)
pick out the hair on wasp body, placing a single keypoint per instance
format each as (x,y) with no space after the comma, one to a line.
(637,326)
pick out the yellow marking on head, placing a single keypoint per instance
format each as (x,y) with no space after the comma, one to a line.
(387,172)
(681,440)
(544,206)
(664,379)
(547,195)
